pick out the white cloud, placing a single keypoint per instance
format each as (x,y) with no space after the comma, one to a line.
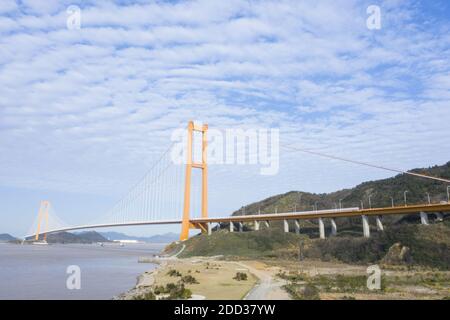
(8,6)
(98,104)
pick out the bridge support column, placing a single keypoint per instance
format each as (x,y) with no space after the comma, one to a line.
(241,227)
(379,224)
(424,218)
(43,214)
(286,225)
(321,229)
(297,226)
(267,224)
(231,226)
(439,216)
(190,164)
(256,223)
(366,227)
(209,229)
(333,227)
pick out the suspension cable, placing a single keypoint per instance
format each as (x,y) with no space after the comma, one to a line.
(365,164)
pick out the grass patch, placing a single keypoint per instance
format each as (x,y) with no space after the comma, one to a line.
(434,280)
(303,287)
(304,292)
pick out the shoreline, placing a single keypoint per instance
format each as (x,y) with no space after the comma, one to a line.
(144,280)
(216,279)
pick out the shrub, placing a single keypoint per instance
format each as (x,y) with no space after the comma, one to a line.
(177,291)
(145,296)
(293,276)
(186,294)
(171,287)
(189,279)
(240,276)
(174,273)
(310,292)
(299,292)
(159,289)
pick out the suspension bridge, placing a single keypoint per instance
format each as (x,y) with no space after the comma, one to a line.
(145,203)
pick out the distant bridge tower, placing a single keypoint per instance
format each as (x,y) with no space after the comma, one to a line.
(186,223)
(43,214)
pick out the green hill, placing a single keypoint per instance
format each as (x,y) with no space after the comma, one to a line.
(267,243)
(380,191)
(82,237)
(429,245)
(5,237)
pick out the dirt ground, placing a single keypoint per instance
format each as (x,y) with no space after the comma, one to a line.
(400,283)
(215,278)
(269,286)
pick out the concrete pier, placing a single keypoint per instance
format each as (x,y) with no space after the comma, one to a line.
(256,223)
(424,218)
(241,227)
(379,224)
(231,227)
(366,227)
(321,229)
(267,224)
(333,227)
(209,229)
(297,226)
(286,225)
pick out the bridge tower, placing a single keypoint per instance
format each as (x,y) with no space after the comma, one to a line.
(43,214)
(186,224)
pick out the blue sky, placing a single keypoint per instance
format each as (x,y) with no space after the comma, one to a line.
(84,113)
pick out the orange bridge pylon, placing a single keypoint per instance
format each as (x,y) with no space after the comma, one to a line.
(43,214)
(186,224)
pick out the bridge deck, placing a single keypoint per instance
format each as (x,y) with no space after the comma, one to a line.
(304,215)
(335,213)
